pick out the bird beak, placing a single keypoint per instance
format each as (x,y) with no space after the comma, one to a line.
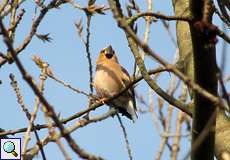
(109,52)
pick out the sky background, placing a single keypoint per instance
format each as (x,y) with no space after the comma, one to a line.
(67,58)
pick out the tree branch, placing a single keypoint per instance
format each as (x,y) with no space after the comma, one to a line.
(74,146)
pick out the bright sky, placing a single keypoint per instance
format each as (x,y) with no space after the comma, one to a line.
(67,57)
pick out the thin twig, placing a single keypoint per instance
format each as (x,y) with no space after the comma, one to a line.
(33,29)
(74,146)
(153,114)
(40,63)
(90,65)
(167,123)
(175,102)
(179,121)
(8,8)
(62,148)
(68,86)
(52,132)
(30,117)
(224,36)
(74,4)
(12,18)
(79,124)
(17,21)
(167,128)
(195,87)
(170,34)
(220,15)
(125,137)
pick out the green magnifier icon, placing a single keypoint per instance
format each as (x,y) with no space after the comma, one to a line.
(9,147)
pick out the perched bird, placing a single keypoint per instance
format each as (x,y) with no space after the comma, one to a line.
(110,79)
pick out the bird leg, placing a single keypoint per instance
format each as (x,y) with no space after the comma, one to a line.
(102,100)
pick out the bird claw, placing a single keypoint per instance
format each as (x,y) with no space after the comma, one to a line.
(102,100)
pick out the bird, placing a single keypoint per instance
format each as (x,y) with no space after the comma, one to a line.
(110,79)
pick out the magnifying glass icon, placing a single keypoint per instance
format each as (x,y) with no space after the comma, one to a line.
(9,147)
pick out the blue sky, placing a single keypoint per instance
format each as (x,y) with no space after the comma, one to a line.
(67,58)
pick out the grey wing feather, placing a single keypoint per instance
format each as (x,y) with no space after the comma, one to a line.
(131,91)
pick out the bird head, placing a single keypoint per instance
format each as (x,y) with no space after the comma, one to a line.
(107,54)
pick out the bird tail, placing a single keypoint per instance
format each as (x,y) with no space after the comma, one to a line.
(132,111)
(129,111)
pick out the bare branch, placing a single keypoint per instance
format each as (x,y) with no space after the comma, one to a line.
(123,24)
(157,15)
(48,107)
(29,116)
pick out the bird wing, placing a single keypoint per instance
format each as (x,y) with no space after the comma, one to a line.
(126,80)
(125,76)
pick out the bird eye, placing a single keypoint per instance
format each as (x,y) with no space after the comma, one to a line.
(103,51)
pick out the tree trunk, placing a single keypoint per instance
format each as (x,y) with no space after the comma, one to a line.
(194,47)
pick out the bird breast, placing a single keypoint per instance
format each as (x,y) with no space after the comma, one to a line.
(106,82)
